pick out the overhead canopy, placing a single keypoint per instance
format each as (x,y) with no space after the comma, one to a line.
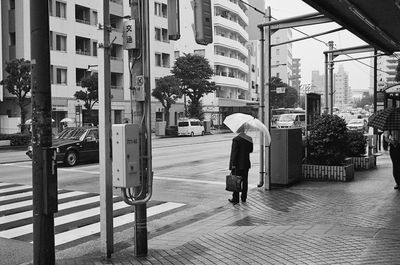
(375,22)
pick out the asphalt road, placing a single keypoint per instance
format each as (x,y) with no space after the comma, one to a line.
(186,169)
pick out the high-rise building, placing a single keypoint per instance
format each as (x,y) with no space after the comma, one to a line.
(342,90)
(295,78)
(318,85)
(386,72)
(281,56)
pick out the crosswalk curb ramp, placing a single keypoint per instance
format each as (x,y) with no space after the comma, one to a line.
(77,219)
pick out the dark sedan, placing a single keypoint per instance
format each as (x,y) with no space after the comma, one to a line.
(75,144)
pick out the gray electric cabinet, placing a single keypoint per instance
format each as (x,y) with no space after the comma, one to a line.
(286,156)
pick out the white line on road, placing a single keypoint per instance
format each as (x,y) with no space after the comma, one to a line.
(16,196)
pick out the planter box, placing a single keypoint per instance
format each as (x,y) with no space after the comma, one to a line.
(363,162)
(333,173)
(5,142)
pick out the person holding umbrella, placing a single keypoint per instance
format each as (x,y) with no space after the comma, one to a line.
(239,163)
(392,137)
(388,120)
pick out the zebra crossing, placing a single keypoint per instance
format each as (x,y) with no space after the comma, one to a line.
(77,219)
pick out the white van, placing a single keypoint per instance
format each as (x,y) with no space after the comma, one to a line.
(190,127)
(292,120)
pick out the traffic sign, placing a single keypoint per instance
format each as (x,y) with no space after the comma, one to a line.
(280,90)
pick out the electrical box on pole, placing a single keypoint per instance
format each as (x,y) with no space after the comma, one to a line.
(126,156)
(203,22)
(173,20)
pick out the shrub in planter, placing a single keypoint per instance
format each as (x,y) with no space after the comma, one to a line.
(356,144)
(328,141)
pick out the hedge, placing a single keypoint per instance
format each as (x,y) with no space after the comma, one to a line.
(16,139)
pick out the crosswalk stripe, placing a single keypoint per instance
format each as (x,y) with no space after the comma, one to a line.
(88,230)
(14,189)
(5,184)
(63,206)
(15,196)
(65,219)
(29,202)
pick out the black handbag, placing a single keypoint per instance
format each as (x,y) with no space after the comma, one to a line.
(234,182)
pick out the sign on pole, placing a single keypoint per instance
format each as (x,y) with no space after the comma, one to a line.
(280,90)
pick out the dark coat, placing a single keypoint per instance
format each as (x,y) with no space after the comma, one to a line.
(240,153)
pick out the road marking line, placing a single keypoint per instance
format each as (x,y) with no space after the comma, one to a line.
(63,206)
(5,184)
(94,228)
(15,196)
(65,219)
(29,202)
(14,189)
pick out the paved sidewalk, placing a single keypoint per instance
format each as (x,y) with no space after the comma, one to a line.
(310,223)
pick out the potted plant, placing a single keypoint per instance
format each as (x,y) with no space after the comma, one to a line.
(356,151)
(327,149)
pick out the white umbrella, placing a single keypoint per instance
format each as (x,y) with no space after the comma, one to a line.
(237,120)
(67,120)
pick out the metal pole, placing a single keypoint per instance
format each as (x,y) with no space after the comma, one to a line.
(140,12)
(267,73)
(330,43)
(326,84)
(44,171)
(106,188)
(262,106)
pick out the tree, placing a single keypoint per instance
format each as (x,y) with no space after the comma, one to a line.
(18,83)
(194,71)
(282,100)
(90,95)
(167,91)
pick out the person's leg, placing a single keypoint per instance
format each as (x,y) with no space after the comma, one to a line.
(245,175)
(395,156)
(235,197)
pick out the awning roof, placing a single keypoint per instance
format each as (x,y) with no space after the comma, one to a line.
(375,22)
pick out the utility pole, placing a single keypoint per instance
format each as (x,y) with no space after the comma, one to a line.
(106,188)
(331,85)
(265,151)
(140,13)
(44,169)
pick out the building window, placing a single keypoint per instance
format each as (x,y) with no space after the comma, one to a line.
(277,51)
(165,35)
(12,4)
(177,54)
(61,76)
(201,52)
(95,18)
(94,48)
(61,43)
(165,60)
(160,10)
(158,59)
(157,34)
(61,9)
(12,39)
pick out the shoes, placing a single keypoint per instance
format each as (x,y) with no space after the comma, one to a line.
(396,187)
(233,202)
(243,200)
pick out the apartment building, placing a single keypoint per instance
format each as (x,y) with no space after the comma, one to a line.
(318,85)
(74,30)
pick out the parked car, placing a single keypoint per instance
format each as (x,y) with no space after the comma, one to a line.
(360,125)
(190,127)
(291,120)
(75,144)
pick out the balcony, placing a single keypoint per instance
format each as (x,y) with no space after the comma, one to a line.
(231,62)
(226,23)
(231,82)
(234,8)
(231,44)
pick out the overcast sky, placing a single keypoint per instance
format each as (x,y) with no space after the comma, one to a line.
(311,51)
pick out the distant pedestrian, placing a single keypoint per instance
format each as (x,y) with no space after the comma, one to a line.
(393,138)
(239,164)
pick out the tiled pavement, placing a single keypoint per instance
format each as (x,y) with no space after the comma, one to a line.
(309,223)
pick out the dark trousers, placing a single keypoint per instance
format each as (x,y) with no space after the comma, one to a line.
(395,156)
(245,175)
